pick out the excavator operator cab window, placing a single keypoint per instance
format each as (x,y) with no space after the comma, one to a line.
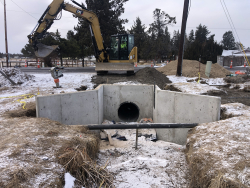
(121,46)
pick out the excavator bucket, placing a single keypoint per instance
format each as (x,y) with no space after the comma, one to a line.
(44,50)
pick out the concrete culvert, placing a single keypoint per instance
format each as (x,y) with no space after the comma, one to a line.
(128,112)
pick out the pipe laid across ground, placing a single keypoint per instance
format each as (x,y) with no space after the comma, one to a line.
(143,126)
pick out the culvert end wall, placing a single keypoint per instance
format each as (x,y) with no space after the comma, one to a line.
(128,112)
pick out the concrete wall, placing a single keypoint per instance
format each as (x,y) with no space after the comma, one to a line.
(176,107)
(115,95)
(91,107)
(72,108)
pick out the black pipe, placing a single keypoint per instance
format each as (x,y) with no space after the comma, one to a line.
(143,126)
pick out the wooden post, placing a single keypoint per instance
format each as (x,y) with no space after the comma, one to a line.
(182,38)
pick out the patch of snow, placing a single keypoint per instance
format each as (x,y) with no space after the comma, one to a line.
(194,88)
(69,180)
(127,83)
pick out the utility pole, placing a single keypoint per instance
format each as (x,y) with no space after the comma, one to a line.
(6,41)
(182,38)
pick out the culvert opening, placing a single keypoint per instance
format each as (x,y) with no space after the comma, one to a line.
(128,112)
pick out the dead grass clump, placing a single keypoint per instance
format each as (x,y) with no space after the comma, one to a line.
(246,88)
(224,115)
(235,79)
(227,86)
(17,177)
(34,145)
(221,182)
(76,156)
(29,111)
(236,86)
(216,92)
(217,153)
(172,88)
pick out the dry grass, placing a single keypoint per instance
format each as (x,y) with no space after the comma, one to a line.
(77,161)
(30,150)
(246,88)
(236,86)
(218,153)
(171,87)
(224,114)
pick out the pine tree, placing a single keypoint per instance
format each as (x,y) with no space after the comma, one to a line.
(28,51)
(191,36)
(138,29)
(201,34)
(159,33)
(203,46)
(108,13)
(175,43)
(228,41)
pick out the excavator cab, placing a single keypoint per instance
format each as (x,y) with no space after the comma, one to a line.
(121,46)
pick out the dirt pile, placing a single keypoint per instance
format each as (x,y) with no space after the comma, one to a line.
(190,68)
(36,152)
(16,75)
(144,76)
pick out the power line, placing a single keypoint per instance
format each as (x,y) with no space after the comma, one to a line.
(231,21)
(30,14)
(24,10)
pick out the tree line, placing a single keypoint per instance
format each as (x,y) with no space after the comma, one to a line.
(154,42)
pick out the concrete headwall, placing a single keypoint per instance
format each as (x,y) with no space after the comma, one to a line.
(91,107)
(115,95)
(176,107)
(72,108)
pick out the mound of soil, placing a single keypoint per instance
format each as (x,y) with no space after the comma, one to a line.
(146,75)
(16,75)
(231,95)
(190,68)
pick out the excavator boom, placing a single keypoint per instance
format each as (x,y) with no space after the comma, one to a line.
(128,54)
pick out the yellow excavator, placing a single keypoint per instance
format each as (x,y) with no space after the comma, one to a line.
(121,55)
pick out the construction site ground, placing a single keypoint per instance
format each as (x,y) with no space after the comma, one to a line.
(36,152)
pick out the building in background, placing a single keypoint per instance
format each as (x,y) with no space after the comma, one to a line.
(236,56)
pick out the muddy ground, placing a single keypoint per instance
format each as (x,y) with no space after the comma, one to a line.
(233,95)
(232,92)
(144,76)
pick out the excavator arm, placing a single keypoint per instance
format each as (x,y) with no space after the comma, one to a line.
(51,14)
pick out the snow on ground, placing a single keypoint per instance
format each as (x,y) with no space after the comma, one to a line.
(43,83)
(193,87)
(226,142)
(153,164)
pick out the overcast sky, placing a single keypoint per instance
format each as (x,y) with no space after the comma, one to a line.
(22,16)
